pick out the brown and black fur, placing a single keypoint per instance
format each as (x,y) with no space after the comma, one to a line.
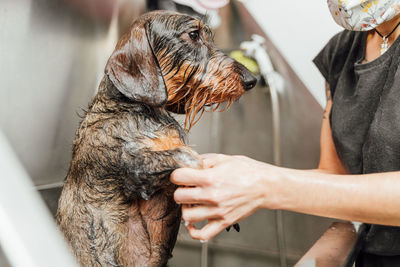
(117,207)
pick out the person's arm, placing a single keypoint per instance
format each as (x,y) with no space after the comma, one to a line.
(366,192)
(231,188)
(329,160)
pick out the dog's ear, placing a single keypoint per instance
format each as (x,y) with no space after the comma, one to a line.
(134,70)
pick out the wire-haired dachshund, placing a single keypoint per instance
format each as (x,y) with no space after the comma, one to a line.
(117,207)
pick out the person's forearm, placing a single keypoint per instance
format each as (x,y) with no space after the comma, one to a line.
(372,198)
(230,188)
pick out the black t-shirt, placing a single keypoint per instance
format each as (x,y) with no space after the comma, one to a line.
(365,116)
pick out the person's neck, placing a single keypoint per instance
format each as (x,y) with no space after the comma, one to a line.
(387,27)
(374,40)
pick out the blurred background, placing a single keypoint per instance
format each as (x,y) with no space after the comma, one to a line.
(52,57)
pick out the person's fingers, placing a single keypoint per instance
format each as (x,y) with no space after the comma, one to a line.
(202,213)
(192,195)
(212,159)
(187,177)
(189,227)
(207,232)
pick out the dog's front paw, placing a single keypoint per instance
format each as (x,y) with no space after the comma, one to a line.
(186,157)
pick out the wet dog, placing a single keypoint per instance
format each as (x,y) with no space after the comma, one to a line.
(117,207)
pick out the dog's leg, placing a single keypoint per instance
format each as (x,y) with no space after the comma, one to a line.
(160,215)
(148,171)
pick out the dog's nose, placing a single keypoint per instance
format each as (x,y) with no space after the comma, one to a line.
(249,81)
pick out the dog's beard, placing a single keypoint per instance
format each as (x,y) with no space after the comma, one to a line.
(194,101)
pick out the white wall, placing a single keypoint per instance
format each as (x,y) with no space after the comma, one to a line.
(299,29)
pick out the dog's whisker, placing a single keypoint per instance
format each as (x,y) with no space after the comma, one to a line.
(198,118)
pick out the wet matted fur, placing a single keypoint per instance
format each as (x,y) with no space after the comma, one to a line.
(117,207)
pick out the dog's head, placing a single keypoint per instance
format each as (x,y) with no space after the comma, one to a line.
(168,59)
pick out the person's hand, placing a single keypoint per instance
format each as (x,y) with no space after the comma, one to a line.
(228,189)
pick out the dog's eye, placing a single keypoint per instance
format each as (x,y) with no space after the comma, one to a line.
(194,35)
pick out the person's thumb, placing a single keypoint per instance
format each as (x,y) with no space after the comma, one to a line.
(212,159)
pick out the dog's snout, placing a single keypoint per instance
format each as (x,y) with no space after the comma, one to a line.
(248,79)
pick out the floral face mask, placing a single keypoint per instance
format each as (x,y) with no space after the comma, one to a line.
(363,15)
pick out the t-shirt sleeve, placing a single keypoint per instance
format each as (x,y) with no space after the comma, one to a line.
(322,61)
(325,59)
